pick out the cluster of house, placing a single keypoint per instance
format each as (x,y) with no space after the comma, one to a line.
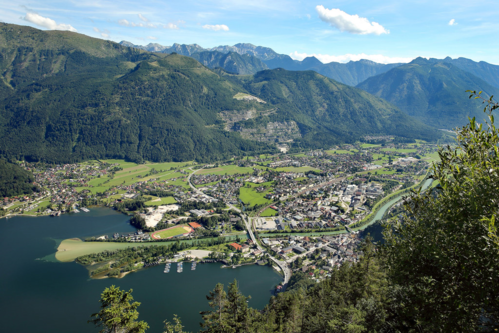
(208,178)
(333,249)
(226,191)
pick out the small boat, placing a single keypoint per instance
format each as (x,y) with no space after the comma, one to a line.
(86,210)
(180,268)
(193,266)
(167,268)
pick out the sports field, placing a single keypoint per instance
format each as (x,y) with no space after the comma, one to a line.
(170,232)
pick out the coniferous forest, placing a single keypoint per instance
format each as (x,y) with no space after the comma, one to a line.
(15,180)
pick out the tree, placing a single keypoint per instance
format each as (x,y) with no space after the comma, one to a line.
(237,308)
(443,258)
(216,319)
(118,314)
(174,328)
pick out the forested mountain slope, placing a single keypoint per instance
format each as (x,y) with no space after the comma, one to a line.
(326,111)
(67,97)
(485,71)
(431,91)
(14,180)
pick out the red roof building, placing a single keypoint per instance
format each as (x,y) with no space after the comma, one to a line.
(236,246)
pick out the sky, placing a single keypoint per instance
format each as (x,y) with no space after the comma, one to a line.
(382,31)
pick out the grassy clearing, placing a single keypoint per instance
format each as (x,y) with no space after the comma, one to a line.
(400,150)
(268,212)
(226,169)
(133,173)
(70,249)
(382,171)
(341,151)
(369,145)
(207,184)
(161,201)
(250,197)
(433,157)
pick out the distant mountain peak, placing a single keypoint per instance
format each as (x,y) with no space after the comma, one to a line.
(312,61)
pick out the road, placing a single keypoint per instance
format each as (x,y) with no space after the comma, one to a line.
(282,264)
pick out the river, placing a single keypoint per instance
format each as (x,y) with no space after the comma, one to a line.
(40,294)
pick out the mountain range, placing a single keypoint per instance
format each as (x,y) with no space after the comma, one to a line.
(432,91)
(68,97)
(351,73)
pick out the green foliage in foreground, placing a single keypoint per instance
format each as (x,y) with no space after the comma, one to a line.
(14,180)
(444,255)
(117,313)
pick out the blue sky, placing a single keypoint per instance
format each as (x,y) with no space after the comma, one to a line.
(383,31)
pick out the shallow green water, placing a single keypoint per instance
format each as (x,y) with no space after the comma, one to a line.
(41,295)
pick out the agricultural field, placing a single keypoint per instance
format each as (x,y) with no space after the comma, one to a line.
(296,169)
(171,232)
(400,150)
(250,197)
(268,212)
(342,151)
(433,157)
(369,145)
(226,169)
(133,173)
(376,156)
(382,171)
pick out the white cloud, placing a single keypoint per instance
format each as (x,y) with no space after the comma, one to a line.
(104,34)
(126,23)
(216,27)
(326,58)
(152,38)
(452,22)
(349,23)
(47,22)
(170,26)
(143,18)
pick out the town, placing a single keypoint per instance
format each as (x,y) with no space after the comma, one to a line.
(303,210)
